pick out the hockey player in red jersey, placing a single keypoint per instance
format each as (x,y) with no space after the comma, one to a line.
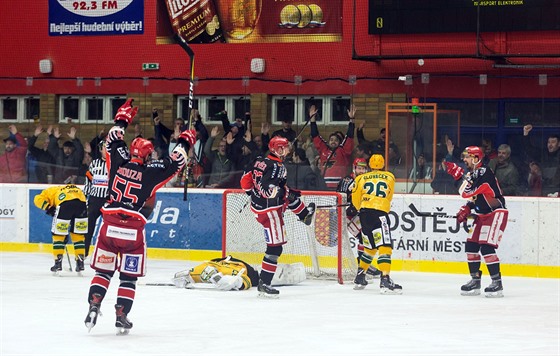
(265,182)
(121,245)
(359,166)
(481,187)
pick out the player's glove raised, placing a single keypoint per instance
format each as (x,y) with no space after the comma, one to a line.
(126,113)
(463,213)
(187,137)
(454,170)
(50,210)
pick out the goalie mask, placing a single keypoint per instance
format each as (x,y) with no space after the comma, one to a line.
(359,166)
(279,146)
(476,153)
(141,148)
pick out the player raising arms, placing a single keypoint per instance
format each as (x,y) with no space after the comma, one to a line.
(265,182)
(359,166)
(133,182)
(371,196)
(480,186)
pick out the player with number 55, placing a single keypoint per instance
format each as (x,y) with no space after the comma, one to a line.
(371,196)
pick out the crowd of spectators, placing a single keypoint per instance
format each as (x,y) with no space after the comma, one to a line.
(316,162)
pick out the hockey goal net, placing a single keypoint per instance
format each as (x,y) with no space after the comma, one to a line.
(323,247)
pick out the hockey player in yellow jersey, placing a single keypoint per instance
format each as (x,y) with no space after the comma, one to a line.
(67,205)
(230,273)
(371,196)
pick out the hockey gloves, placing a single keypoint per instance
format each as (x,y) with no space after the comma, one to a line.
(454,170)
(293,194)
(187,137)
(126,113)
(51,210)
(463,213)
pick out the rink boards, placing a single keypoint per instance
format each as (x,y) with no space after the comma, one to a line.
(192,230)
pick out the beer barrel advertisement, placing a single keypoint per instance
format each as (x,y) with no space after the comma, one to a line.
(253,21)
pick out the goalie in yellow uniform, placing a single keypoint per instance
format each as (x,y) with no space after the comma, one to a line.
(67,205)
(230,273)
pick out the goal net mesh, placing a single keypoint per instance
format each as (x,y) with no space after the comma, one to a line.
(323,247)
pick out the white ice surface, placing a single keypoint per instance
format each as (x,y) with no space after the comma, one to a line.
(43,315)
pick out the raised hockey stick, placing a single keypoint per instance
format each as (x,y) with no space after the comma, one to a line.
(445,216)
(185,46)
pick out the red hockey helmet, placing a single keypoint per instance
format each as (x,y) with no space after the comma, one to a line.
(474,151)
(279,146)
(360,162)
(142,148)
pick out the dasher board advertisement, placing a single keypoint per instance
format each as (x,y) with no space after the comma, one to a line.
(96,17)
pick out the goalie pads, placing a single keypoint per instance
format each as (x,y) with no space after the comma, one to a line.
(226,282)
(289,274)
(183,279)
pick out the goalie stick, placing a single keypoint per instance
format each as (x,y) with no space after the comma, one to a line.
(185,46)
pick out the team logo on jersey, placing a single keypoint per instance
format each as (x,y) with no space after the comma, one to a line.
(61,196)
(131,263)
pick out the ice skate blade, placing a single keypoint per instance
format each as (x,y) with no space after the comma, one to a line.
(264,295)
(122,331)
(79,274)
(498,294)
(359,286)
(470,293)
(388,291)
(57,274)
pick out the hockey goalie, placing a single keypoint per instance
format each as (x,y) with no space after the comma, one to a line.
(230,273)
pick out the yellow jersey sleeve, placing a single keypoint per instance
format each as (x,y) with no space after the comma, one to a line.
(374,190)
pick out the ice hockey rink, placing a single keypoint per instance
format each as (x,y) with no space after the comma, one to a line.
(43,315)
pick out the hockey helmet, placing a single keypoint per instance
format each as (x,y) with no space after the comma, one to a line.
(359,162)
(142,148)
(279,146)
(474,151)
(376,161)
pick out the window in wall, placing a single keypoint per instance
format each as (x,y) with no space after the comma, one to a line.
(94,109)
(473,113)
(184,107)
(9,109)
(19,108)
(241,106)
(537,113)
(31,109)
(331,109)
(89,109)
(115,104)
(339,108)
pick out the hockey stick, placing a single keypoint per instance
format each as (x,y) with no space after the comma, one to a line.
(185,46)
(332,206)
(434,215)
(68,257)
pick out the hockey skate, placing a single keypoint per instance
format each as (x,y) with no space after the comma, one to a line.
(79,264)
(360,280)
(94,311)
(473,286)
(266,291)
(122,323)
(373,273)
(310,212)
(495,289)
(388,286)
(57,268)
